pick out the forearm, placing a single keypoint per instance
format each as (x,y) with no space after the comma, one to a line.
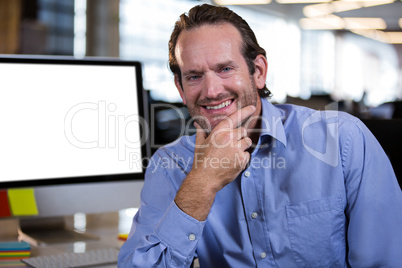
(196,196)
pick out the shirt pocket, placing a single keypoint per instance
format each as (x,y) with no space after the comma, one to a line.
(317,232)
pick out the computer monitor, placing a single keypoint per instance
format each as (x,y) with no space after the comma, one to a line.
(75,131)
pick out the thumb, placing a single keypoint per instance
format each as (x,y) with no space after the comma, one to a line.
(201,135)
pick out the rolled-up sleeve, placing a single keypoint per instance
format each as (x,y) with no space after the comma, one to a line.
(180,231)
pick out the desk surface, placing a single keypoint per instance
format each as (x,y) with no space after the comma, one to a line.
(106,226)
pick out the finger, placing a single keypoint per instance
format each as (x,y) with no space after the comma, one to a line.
(238,117)
(241,132)
(247,159)
(200,136)
(245,143)
(235,134)
(244,159)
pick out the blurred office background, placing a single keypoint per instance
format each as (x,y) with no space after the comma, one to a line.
(318,51)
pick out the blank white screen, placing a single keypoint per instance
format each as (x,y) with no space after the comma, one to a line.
(61,121)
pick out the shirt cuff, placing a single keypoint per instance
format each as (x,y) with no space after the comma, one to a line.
(179,231)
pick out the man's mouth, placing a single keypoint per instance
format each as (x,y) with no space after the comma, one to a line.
(219,106)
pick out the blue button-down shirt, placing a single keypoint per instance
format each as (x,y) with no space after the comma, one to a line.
(318,191)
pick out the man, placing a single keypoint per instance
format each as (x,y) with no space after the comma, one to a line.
(259,185)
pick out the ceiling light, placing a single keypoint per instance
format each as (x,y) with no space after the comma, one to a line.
(364,23)
(329,8)
(394,37)
(372,34)
(317,10)
(345,5)
(302,1)
(340,6)
(385,37)
(371,3)
(241,2)
(330,22)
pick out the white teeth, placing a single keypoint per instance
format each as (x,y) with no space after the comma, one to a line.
(223,104)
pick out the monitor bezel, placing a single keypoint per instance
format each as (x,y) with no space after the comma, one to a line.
(142,111)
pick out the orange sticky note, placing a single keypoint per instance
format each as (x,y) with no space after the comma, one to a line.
(22,202)
(122,236)
(4,205)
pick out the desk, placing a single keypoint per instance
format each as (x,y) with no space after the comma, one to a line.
(106,226)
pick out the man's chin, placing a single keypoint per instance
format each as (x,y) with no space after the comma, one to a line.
(207,127)
(208,124)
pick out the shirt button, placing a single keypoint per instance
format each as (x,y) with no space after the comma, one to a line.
(247,174)
(254,215)
(191,237)
(263,255)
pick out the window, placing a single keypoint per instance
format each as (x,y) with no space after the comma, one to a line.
(145,28)
(58,16)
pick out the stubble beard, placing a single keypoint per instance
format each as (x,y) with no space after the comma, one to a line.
(249,97)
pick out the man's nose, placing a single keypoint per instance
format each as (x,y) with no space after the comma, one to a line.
(212,85)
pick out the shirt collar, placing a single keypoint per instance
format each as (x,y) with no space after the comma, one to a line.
(272,122)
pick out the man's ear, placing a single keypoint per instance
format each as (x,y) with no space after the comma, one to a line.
(261,69)
(179,88)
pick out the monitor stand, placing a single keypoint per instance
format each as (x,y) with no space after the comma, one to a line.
(44,231)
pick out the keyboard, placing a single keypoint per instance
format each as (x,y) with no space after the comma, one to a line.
(75,260)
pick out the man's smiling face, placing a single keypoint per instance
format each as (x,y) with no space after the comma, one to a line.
(215,78)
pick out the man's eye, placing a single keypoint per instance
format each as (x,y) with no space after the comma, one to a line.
(193,77)
(226,69)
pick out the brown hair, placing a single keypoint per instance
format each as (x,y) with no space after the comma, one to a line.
(208,14)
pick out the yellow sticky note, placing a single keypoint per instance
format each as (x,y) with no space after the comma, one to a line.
(22,202)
